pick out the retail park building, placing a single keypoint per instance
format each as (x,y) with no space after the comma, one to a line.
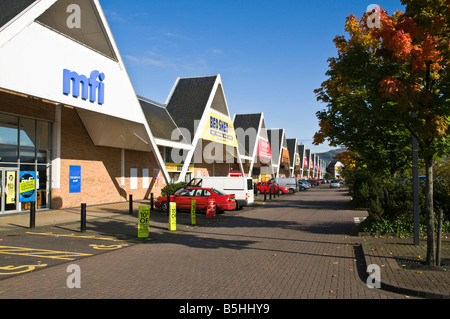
(73,130)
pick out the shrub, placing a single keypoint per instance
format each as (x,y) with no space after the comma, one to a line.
(172,188)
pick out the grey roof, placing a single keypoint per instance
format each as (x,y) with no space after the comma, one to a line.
(275,137)
(301,152)
(158,118)
(245,122)
(11,8)
(188,101)
(291,144)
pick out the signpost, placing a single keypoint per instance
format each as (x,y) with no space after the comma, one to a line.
(193,216)
(144,220)
(173,216)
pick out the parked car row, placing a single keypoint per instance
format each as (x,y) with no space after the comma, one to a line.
(269,187)
(232,193)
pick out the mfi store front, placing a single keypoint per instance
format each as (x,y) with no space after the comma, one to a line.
(25,148)
(71,127)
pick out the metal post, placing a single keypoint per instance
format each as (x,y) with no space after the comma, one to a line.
(265,194)
(439,238)
(83,218)
(168,202)
(32,215)
(151,201)
(270,194)
(130,204)
(415,173)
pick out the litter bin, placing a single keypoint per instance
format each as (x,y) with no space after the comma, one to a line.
(211,207)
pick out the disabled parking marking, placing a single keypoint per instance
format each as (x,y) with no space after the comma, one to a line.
(42,253)
(107,247)
(11,270)
(74,236)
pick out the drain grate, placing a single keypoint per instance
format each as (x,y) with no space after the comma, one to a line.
(418,264)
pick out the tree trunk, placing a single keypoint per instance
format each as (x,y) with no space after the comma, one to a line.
(429,211)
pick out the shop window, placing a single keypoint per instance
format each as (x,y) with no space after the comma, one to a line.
(27,155)
(27,132)
(9,129)
(90,31)
(8,154)
(43,134)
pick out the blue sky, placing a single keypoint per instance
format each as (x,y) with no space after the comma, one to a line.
(271,55)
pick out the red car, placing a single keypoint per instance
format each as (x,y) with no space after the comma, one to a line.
(267,186)
(184,197)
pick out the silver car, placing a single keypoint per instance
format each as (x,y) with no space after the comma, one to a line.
(335,184)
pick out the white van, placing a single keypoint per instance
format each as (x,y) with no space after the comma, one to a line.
(241,187)
(290,183)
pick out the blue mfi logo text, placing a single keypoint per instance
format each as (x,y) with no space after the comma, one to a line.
(89,86)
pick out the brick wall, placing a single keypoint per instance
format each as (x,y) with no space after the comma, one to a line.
(100,168)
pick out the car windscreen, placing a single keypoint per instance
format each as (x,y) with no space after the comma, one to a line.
(217,191)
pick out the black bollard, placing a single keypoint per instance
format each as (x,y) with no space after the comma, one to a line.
(83,218)
(130,202)
(32,215)
(151,201)
(265,194)
(270,194)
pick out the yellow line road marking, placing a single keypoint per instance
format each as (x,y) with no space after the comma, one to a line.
(43,253)
(11,270)
(107,247)
(74,236)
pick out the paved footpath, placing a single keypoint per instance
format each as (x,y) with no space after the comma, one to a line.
(297,247)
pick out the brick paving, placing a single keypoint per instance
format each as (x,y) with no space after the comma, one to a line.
(296,247)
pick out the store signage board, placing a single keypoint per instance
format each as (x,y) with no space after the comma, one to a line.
(74,179)
(285,156)
(27,186)
(73,82)
(63,71)
(264,148)
(219,129)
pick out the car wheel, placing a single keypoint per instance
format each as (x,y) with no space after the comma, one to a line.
(280,192)
(258,192)
(164,207)
(291,191)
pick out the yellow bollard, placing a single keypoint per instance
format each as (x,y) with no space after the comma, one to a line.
(173,217)
(144,220)
(193,216)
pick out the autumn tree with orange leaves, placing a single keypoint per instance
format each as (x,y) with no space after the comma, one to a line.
(390,82)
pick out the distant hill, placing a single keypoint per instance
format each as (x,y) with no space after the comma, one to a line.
(329,156)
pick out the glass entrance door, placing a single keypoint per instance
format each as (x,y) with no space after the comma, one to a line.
(8,190)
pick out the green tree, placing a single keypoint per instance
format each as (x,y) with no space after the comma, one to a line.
(388,83)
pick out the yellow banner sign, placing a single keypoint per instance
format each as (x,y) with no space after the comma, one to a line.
(174,168)
(219,129)
(27,186)
(285,156)
(144,221)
